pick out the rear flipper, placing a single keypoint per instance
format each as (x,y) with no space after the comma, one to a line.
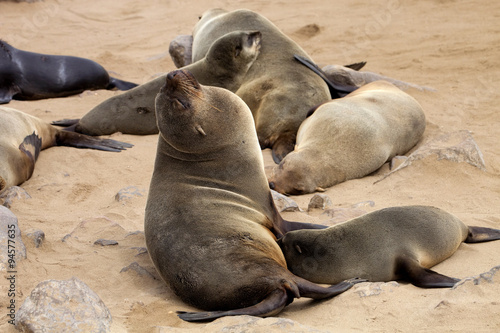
(276,301)
(423,277)
(271,305)
(356,66)
(314,291)
(72,139)
(336,91)
(65,122)
(120,84)
(480,234)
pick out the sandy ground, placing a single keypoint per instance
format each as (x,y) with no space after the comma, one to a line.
(451,46)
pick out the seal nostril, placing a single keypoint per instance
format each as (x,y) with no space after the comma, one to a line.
(271,185)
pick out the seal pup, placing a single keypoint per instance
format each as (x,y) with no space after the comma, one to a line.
(350,138)
(389,244)
(133,112)
(23,136)
(278,89)
(210,222)
(29,76)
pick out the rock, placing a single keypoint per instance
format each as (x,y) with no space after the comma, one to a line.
(37,236)
(481,278)
(13,192)
(321,201)
(374,288)
(63,306)
(284,203)
(105,242)
(180,50)
(12,249)
(248,324)
(455,146)
(143,272)
(128,193)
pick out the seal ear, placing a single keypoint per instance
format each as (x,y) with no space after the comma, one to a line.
(320,189)
(297,247)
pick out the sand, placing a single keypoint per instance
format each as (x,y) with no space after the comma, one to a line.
(451,46)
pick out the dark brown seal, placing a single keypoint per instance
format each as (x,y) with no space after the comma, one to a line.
(29,76)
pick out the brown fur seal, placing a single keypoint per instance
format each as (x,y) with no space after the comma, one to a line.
(388,244)
(29,76)
(210,223)
(23,136)
(349,138)
(277,88)
(132,112)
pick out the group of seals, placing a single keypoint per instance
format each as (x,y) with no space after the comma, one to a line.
(23,136)
(133,112)
(349,138)
(220,254)
(388,244)
(29,76)
(277,88)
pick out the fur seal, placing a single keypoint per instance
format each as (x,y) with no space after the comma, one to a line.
(23,136)
(133,112)
(388,244)
(210,222)
(30,76)
(349,138)
(278,89)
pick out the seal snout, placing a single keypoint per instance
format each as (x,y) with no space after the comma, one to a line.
(180,80)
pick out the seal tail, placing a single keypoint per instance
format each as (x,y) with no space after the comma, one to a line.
(65,122)
(120,84)
(72,139)
(336,91)
(481,234)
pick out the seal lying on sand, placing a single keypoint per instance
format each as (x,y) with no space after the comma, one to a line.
(132,112)
(210,223)
(388,244)
(277,88)
(349,138)
(29,76)
(23,136)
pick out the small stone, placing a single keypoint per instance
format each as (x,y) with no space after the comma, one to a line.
(37,236)
(128,193)
(105,242)
(321,201)
(284,203)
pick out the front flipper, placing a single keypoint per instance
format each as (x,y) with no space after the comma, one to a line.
(65,122)
(282,146)
(336,91)
(72,139)
(481,234)
(423,277)
(271,305)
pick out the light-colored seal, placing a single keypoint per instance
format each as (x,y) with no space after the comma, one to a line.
(133,112)
(388,244)
(29,76)
(349,138)
(23,136)
(278,89)
(210,222)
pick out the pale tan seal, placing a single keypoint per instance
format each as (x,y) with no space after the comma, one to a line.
(277,88)
(388,244)
(349,138)
(210,223)
(23,136)
(132,112)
